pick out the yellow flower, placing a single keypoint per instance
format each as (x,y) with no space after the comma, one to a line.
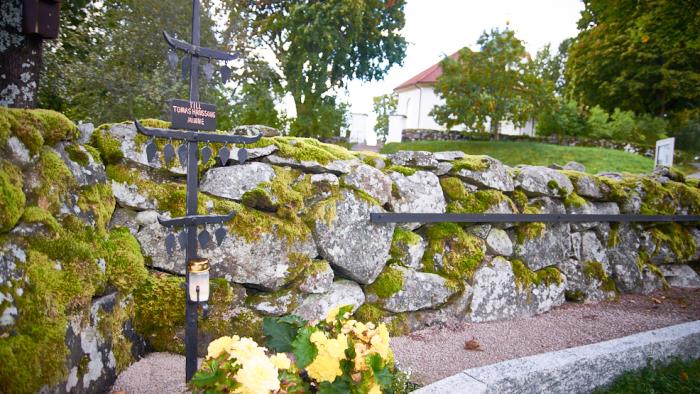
(281,361)
(330,317)
(326,365)
(361,352)
(244,350)
(217,347)
(258,375)
(380,341)
(375,389)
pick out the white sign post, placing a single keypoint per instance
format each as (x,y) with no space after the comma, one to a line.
(664,152)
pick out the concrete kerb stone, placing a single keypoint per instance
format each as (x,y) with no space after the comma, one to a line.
(579,369)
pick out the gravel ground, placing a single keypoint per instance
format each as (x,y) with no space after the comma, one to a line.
(156,373)
(436,353)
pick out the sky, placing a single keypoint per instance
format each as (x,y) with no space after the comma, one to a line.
(437,28)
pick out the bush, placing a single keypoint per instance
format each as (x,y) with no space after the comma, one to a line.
(563,119)
(335,355)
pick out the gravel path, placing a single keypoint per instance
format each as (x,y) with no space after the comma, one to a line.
(436,353)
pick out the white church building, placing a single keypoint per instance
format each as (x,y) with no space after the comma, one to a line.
(417,97)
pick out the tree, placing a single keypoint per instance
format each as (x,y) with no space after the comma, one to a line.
(550,67)
(383,106)
(493,85)
(110,63)
(319,46)
(640,56)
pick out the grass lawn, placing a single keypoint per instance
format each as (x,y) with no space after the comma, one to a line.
(676,377)
(513,153)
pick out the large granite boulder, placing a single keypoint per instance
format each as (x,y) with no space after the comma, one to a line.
(411,158)
(419,290)
(337,167)
(543,181)
(487,172)
(233,181)
(497,294)
(449,155)
(352,244)
(268,262)
(129,196)
(548,248)
(588,186)
(371,181)
(623,256)
(587,281)
(417,193)
(342,292)
(680,275)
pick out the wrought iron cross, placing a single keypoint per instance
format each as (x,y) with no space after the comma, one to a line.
(190,158)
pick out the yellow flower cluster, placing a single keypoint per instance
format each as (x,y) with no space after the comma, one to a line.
(258,373)
(326,365)
(370,339)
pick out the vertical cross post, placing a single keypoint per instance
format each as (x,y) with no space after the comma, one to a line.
(192,186)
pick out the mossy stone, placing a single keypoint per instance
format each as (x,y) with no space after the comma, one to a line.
(388,283)
(406,171)
(36,127)
(471,163)
(12,198)
(452,252)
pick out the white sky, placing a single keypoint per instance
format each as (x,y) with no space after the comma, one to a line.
(436,28)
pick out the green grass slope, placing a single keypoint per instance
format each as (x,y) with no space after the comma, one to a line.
(525,152)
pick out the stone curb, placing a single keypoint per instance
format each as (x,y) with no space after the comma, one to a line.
(579,369)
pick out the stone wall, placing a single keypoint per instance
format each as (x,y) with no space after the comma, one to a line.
(433,135)
(78,230)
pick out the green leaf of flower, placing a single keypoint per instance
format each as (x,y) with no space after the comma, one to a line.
(304,351)
(279,334)
(382,375)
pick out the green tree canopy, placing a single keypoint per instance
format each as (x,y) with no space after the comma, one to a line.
(319,46)
(641,56)
(109,63)
(383,106)
(490,86)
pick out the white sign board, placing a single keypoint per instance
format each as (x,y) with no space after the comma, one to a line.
(664,152)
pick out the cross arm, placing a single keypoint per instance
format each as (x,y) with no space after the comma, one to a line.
(195,136)
(196,50)
(195,220)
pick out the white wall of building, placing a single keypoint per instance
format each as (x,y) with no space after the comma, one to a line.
(415,104)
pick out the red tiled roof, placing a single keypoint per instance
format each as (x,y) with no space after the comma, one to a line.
(428,76)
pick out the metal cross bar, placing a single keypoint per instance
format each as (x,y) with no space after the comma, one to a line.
(196,50)
(194,220)
(195,136)
(378,217)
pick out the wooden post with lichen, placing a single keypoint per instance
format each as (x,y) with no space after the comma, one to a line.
(24,24)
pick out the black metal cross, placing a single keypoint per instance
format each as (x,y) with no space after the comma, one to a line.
(190,222)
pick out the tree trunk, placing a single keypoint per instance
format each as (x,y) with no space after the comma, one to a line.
(494,129)
(20,60)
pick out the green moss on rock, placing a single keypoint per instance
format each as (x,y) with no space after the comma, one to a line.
(388,283)
(675,237)
(402,237)
(36,127)
(55,181)
(125,266)
(35,214)
(479,202)
(110,149)
(525,278)
(453,188)
(407,171)
(452,252)
(573,200)
(99,200)
(76,154)
(472,163)
(12,198)
(594,270)
(160,311)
